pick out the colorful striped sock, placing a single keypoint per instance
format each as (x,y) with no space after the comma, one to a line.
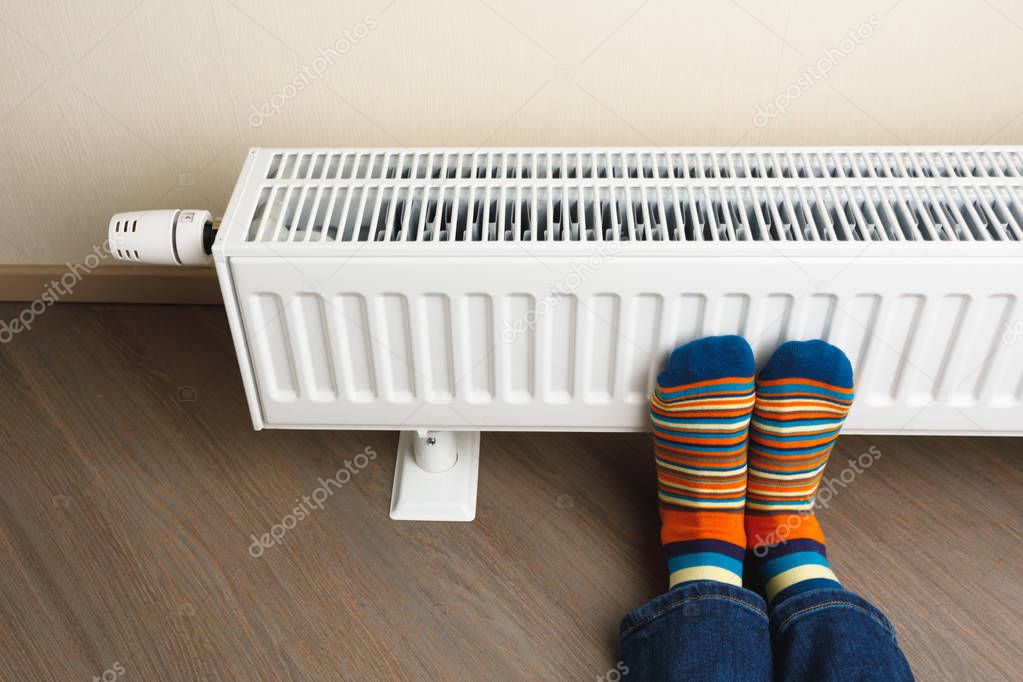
(803,394)
(700,412)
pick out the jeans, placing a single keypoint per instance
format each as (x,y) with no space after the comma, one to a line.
(706,630)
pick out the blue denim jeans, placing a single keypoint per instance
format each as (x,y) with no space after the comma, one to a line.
(705,630)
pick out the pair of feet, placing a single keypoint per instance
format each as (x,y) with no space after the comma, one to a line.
(739,459)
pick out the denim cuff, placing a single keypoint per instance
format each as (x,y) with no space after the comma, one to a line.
(804,604)
(688,596)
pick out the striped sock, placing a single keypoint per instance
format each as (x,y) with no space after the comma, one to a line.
(803,395)
(700,412)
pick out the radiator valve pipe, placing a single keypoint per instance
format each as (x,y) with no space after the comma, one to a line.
(435,451)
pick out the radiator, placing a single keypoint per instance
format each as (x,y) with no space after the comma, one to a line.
(445,292)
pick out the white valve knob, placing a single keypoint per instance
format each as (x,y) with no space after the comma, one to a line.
(166,237)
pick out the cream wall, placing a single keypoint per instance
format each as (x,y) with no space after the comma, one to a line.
(120,104)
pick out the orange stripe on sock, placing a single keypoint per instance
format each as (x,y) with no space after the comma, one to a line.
(709,382)
(769,529)
(727,485)
(770,442)
(733,440)
(785,416)
(800,380)
(674,414)
(667,450)
(678,526)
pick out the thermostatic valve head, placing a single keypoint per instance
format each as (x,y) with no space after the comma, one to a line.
(166,237)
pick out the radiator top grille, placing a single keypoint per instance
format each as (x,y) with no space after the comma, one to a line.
(651,195)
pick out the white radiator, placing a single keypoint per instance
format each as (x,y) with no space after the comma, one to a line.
(439,291)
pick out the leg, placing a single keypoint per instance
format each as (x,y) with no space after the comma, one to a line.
(819,629)
(700,630)
(707,627)
(833,634)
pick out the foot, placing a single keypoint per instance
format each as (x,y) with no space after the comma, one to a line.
(803,395)
(701,412)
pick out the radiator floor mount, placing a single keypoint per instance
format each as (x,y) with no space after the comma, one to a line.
(435,476)
(444,292)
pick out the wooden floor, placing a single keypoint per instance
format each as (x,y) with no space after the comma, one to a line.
(131,484)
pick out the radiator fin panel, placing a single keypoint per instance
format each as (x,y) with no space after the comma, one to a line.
(639,351)
(601,336)
(691,213)
(435,346)
(364,164)
(392,339)
(560,346)
(587,358)
(478,341)
(519,346)
(423,196)
(312,346)
(355,349)
(273,347)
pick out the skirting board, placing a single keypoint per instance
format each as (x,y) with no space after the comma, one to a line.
(109,284)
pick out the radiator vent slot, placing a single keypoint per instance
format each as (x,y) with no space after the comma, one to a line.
(585,164)
(486,212)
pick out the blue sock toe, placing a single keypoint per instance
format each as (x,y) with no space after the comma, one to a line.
(816,359)
(712,357)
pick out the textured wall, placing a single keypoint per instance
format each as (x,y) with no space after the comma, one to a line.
(122,104)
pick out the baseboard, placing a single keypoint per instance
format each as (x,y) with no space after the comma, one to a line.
(109,284)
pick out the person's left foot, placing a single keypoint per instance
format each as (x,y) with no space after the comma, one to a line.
(701,412)
(803,395)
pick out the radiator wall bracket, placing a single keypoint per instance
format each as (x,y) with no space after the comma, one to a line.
(435,476)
